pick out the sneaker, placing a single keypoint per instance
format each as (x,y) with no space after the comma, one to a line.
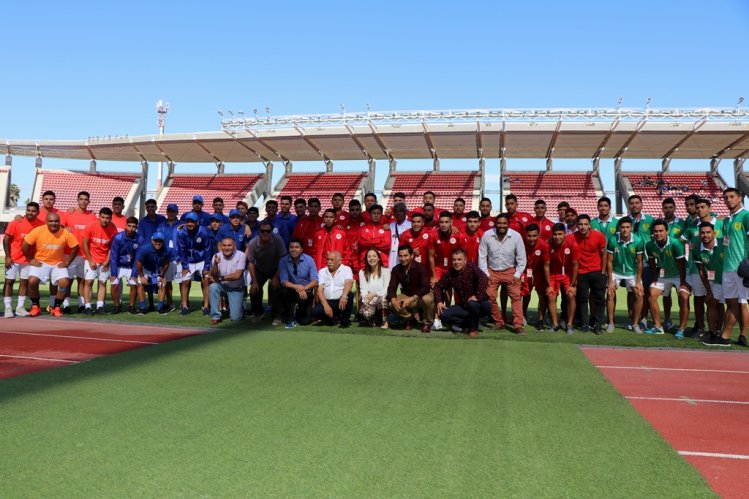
(8,313)
(116,310)
(215,321)
(610,328)
(290,325)
(142,311)
(100,310)
(643,324)
(171,308)
(132,310)
(668,324)
(256,318)
(540,325)
(597,329)
(570,330)
(162,310)
(184,311)
(679,334)
(436,325)
(88,312)
(473,334)
(56,312)
(21,312)
(520,331)
(81,309)
(456,329)
(742,341)
(636,329)
(67,310)
(276,322)
(629,326)
(206,311)
(698,333)
(717,340)
(653,330)
(35,311)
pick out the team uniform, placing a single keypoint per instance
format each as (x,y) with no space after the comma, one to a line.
(239,236)
(519,220)
(606,227)
(443,246)
(327,241)
(561,260)
(17,230)
(712,261)
(204,218)
(373,236)
(99,243)
(50,251)
(690,236)
(735,231)
(122,255)
(459,222)
(544,227)
(342,218)
(152,262)
(486,223)
(666,257)
(420,244)
(352,233)
(534,276)
(170,242)
(471,244)
(624,263)
(306,228)
(194,252)
(119,221)
(147,227)
(77,223)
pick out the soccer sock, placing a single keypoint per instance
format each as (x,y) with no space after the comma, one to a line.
(66,303)
(81,301)
(88,306)
(143,304)
(99,304)
(52,301)
(21,301)
(161,304)
(35,301)
(8,300)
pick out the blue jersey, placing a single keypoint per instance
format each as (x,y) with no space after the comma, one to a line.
(148,227)
(193,248)
(213,239)
(204,219)
(240,239)
(170,234)
(254,229)
(224,219)
(151,260)
(283,227)
(123,251)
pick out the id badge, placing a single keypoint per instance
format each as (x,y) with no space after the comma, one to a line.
(310,243)
(418,259)
(710,275)
(726,241)
(662,273)
(529,273)
(444,263)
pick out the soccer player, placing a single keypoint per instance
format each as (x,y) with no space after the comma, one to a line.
(330,238)
(429,197)
(195,259)
(374,236)
(561,274)
(442,242)
(253,213)
(280,226)
(76,221)
(218,211)
(429,221)
(675,224)
(370,199)
(169,230)
(641,225)
(213,228)
(537,255)
(48,206)
(591,274)
(355,223)
(543,223)
(667,261)
(149,224)
(285,217)
(307,226)
(518,219)
(236,230)
(471,236)
(417,237)
(709,259)
(562,211)
(605,223)
(624,266)
(459,217)
(97,241)
(342,215)
(204,219)
(690,205)
(118,219)
(485,210)
(16,265)
(122,256)
(152,266)
(398,225)
(300,208)
(45,250)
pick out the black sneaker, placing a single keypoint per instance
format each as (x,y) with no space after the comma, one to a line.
(132,310)
(206,311)
(88,312)
(100,310)
(742,340)
(597,329)
(717,340)
(81,309)
(163,310)
(184,311)
(67,310)
(142,311)
(116,310)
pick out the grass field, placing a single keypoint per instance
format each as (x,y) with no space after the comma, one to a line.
(297,413)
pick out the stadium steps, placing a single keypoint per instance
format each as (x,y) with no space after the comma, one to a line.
(580,189)
(446,185)
(103,187)
(232,188)
(655,187)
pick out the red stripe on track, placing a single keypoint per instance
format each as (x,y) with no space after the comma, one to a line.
(678,359)
(678,384)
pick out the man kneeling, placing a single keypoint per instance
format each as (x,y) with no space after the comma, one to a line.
(227,274)
(469,285)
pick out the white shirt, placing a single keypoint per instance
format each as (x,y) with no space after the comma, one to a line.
(376,285)
(332,285)
(396,231)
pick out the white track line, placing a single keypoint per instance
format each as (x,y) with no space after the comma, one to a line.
(644,368)
(80,337)
(689,400)
(714,454)
(39,358)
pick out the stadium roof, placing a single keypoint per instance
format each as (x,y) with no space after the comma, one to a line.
(557,133)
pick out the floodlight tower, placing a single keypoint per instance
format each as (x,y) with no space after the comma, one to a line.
(161,110)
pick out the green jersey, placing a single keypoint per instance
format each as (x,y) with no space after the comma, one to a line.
(608,228)
(625,254)
(712,261)
(676,228)
(642,226)
(667,256)
(691,237)
(735,230)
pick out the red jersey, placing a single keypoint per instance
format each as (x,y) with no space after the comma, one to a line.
(341,218)
(590,250)
(17,230)
(120,222)
(325,242)
(373,236)
(43,214)
(544,227)
(460,222)
(536,257)
(471,245)
(352,232)
(443,247)
(99,240)
(562,256)
(519,220)
(487,223)
(419,242)
(306,228)
(77,223)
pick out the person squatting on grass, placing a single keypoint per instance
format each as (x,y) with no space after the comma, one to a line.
(152,265)
(299,279)
(415,296)
(227,279)
(335,299)
(469,285)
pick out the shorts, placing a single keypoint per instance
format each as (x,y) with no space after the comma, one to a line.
(47,272)
(623,280)
(76,268)
(558,283)
(17,270)
(92,274)
(192,267)
(733,287)
(535,280)
(698,289)
(666,283)
(152,278)
(717,290)
(129,275)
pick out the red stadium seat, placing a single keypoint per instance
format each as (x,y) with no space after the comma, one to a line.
(230,188)
(447,186)
(577,188)
(654,187)
(103,187)
(322,186)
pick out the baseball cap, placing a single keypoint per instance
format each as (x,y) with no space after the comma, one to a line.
(192,216)
(197,199)
(158,236)
(216,216)
(234,213)
(172,207)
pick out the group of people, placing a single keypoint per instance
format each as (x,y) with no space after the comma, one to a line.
(395,267)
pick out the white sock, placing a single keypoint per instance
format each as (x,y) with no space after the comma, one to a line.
(81,301)
(99,304)
(21,301)
(8,300)
(88,306)
(66,303)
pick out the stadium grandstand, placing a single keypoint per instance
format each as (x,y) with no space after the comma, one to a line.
(655,187)
(102,186)
(446,185)
(232,188)
(323,186)
(580,189)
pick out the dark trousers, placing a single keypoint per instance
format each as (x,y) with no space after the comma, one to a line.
(344,316)
(290,301)
(591,286)
(467,315)
(256,299)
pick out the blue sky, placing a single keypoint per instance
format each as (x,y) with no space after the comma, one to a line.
(78,69)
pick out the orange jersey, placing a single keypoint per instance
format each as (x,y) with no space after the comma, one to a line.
(77,223)
(17,230)
(50,248)
(99,240)
(325,242)
(471,245)
(306,228)
(43,214)
(373,236)
(420,244)
(120,222)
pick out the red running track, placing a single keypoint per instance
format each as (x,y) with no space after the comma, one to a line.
(697,400)
(29,345)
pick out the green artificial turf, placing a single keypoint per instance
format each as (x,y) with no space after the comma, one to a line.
(269,413)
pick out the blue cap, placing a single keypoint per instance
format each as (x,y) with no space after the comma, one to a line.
(158,236)
(217,216)
(235,213)
(172,207)
(192,216)
(197,199)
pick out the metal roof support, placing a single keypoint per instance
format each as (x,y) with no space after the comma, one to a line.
(665,165)
(92,166)
(392,163)
(618,187)
(502,170)
(144,179)
(170,169)
(268,179)
(714,163)
(549,164)
(288,166)
(328,166)
(596,165)
(371,177)
(8,160)
(38,164)
(738,170)
(436,164)
(220,168)
(482,176)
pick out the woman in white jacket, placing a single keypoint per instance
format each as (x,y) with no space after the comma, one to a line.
(373,286)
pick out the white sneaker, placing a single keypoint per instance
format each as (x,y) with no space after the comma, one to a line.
(22,312)
(610,328)
(436,325)
(277,322)
(9,313)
